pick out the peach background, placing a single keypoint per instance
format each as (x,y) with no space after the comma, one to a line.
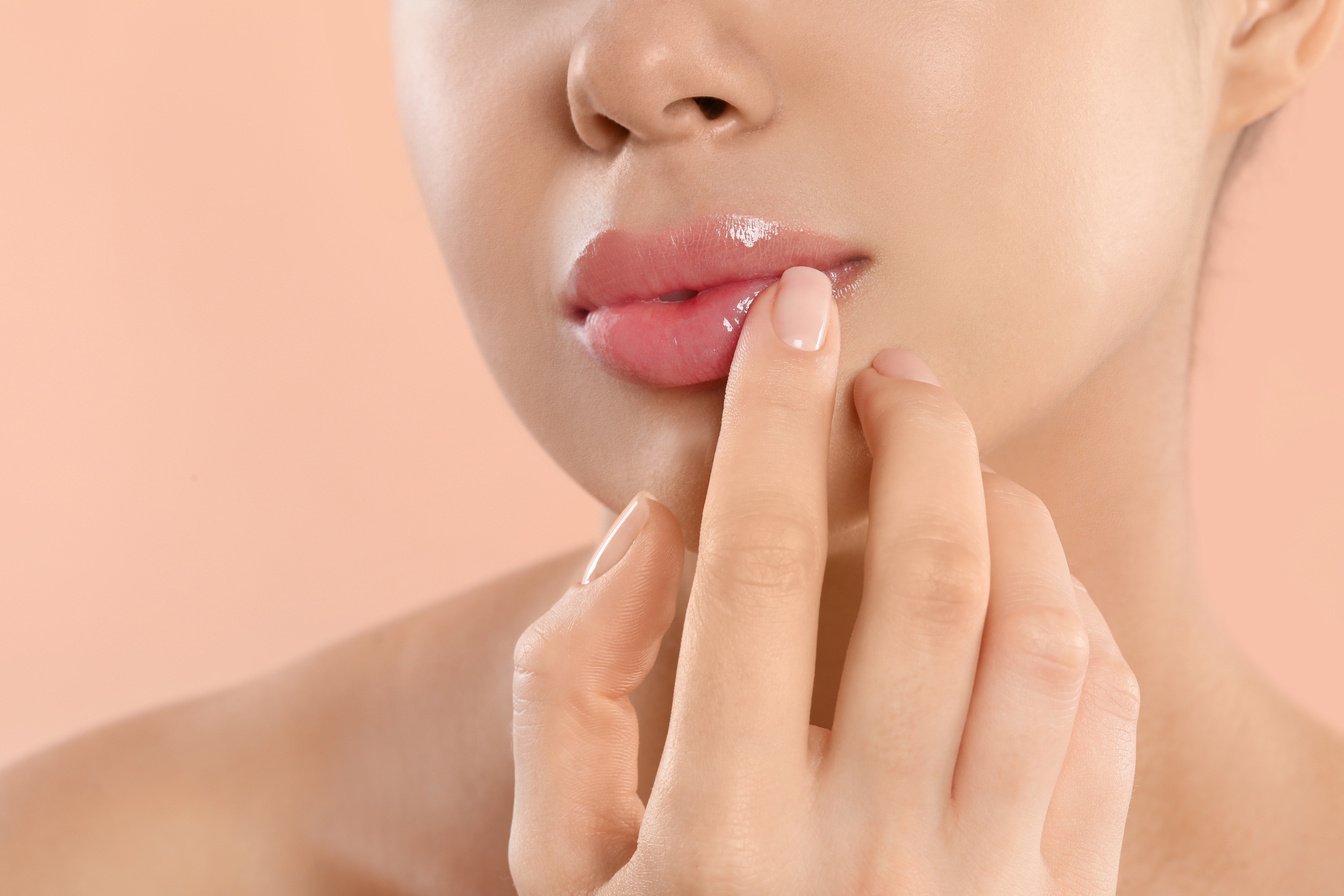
(242,416)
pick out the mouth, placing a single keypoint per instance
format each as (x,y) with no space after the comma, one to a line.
(666,309)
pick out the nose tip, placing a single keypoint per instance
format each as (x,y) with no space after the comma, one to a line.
(659,72)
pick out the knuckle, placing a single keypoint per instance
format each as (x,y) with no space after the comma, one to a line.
(930,411)
(752,573)
(763,550)
(947,581)
(1049,644)
(529,651)
(1113,687)
(536,661)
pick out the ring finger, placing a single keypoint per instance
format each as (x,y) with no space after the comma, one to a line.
(1033,662)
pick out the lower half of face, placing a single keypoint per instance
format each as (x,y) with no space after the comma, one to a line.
(1026,178)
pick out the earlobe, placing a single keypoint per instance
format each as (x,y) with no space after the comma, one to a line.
(1272,50)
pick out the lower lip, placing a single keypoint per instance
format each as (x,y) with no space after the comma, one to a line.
(684,343)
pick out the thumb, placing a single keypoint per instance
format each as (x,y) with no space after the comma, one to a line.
(576,809)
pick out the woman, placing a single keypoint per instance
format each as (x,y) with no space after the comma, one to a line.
(785,272)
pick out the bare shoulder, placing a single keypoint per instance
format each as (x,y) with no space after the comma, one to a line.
(381,763)
(413,723)
(163,801)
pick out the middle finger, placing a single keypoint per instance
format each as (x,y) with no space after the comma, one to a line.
(910,668)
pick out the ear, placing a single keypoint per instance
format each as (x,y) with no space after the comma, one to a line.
(1270,50)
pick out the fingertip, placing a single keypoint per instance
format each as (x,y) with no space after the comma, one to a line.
(800,288)
(664,527)
(865,382)
(634,600)
(798,314)
(900,363)
(892,365)
(618,539)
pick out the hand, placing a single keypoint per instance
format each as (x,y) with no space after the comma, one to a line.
(984,734)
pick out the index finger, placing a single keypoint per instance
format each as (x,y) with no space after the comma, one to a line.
(748,647)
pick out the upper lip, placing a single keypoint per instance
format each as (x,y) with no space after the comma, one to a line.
(619,266)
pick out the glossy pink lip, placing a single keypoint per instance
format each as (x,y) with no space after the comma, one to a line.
(614,289)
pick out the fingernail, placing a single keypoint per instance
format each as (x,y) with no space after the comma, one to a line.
(619,537)
(802,308)
(903,364)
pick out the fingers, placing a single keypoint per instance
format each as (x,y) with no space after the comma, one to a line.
(576,811)
(1085,825)
(911,661)
(1032,663)
(748,648)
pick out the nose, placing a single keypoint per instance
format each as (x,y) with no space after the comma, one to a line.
(654,71)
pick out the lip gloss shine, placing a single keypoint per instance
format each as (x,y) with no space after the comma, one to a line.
(628,293)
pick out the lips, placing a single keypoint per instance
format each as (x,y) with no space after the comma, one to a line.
(666,309)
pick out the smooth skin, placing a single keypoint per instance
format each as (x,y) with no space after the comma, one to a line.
(1036,184)
(984,738)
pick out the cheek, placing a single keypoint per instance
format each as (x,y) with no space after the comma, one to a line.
(479,104)
(490,140)
(1035,179)
(1041,168)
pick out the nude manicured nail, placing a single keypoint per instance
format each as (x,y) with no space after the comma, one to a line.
(802,308)
(903,364)
(619,537)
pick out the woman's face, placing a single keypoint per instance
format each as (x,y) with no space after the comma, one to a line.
(1028,179)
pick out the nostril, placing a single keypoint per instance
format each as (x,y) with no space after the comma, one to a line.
(712,106)
(613,131)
